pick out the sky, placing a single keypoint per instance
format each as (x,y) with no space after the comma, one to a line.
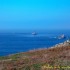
(34,14)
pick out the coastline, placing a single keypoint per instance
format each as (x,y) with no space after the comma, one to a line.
(48,56)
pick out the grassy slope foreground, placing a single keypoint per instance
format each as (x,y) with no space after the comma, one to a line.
(57,58)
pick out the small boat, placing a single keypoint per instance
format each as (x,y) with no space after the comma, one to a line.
(62,36)
(34,33)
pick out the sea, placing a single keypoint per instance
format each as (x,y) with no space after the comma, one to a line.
(16,42)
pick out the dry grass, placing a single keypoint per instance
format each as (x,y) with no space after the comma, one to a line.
(37,59)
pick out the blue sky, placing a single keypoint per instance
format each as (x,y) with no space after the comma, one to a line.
(34,14)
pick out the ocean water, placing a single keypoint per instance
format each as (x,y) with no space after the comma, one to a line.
(11,43)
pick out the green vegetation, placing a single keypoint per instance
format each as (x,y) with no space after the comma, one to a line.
(3,57)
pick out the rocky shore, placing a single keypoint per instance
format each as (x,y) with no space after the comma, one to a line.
(64,44)
(57,57)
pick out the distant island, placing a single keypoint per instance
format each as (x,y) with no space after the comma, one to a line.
(34,33)
(61,36)
(57,58)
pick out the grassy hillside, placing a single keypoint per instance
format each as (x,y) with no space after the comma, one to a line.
(57,58)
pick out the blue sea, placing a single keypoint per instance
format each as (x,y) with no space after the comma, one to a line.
(11,43)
